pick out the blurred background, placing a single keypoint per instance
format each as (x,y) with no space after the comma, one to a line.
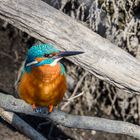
(115,20)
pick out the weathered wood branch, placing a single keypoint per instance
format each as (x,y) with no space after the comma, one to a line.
(101,58)
(9,103)
(21,125)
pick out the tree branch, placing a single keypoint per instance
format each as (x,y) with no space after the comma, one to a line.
(101,58)
(10,103)
(21,125)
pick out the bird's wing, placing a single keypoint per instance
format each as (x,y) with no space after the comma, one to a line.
(20,73)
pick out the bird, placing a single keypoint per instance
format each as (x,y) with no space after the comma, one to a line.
(41,80)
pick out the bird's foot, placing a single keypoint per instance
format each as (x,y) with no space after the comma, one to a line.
(50,108)
(39,109)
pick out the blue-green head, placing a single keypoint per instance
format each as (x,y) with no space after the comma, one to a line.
(50,55)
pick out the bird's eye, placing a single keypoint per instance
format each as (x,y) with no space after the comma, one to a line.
(46,55)
(49,55)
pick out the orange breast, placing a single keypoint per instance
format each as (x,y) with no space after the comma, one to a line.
(43,86)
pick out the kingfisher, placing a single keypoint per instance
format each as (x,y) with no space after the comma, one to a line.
(42,78)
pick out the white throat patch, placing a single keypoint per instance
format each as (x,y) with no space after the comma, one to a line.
(55,62)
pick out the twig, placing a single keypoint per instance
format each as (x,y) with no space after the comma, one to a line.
(78,84)
(74,92)
(71,99)
(10,103)
(6,54)
(21,125)
(76,96)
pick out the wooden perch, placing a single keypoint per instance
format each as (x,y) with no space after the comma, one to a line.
(101,57)
(21,125)
(10,103)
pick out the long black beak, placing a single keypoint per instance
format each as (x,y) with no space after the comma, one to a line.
(68,53)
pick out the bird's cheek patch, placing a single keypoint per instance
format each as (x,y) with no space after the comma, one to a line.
(55,62)
(39,59)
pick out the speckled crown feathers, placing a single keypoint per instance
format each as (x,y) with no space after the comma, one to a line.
(39,51)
